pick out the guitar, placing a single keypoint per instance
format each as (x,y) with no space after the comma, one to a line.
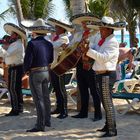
(67,60)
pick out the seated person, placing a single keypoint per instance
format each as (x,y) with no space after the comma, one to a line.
(127,53)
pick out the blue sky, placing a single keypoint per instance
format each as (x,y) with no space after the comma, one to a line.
(58,13)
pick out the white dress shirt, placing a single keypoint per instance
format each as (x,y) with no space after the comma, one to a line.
(106,55)
(14,54)
(63,39)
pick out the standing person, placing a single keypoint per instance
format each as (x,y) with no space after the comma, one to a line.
(38,57)
(58,82)
(105,54)
(84,73)
(13,57)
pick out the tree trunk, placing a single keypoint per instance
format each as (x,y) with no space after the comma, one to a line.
(132,33)
(19,11)
(77,6)
(122,35)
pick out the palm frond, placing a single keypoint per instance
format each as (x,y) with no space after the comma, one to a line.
(6,13)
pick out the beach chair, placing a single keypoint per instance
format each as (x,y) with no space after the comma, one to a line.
(70,84)
(3,89)
(130,92)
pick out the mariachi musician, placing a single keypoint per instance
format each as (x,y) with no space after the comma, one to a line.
(105,53)
(13,56)
(59,41)
(84,73)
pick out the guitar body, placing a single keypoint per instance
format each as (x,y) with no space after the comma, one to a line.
(67,60)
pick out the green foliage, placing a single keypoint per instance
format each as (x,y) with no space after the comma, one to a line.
(33,9)
(5,13)
(99,7)
(40,8)
(67,8)
(25,5)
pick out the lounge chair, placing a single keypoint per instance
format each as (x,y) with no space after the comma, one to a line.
(130,91)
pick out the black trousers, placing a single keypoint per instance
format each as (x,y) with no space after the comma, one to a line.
(15,74)
(87,85)
(105,83)
(58,83)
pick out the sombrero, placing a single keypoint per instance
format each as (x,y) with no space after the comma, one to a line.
(107,22)
(77,19)
(10,27)
(61,23)
(38,26)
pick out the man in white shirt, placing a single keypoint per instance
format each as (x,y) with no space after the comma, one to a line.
(13,57)
(84,72)
(105,54)
(58,82)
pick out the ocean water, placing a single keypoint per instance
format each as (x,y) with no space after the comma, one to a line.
(126,39)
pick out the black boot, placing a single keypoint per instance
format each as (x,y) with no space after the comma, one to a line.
(104,129)
(80,115)
(97,117)
(35,130)
(12,113)
(109,134)
(63,114)
(56,111)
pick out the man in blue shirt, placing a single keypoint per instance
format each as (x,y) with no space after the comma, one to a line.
(38,57)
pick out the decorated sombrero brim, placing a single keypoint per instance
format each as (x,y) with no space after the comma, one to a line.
(10,28)
(116,26)
(62,24)
(38,26)
(107,22)
(79,18)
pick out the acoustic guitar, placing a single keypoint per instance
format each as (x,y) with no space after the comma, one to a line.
(67,60)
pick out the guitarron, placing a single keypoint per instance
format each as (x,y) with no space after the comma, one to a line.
(67,60)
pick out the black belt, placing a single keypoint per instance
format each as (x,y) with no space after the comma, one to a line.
(15,65)
(103,71)
(39,68)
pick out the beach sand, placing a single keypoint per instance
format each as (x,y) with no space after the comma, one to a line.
(14,128)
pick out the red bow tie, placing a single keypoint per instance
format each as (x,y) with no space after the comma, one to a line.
(101,41)
(86,33)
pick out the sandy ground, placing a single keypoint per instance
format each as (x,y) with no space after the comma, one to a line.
(14,128)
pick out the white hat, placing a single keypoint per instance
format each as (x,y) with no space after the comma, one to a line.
(10,27)
(62,23)
(107,22)
(77,19)
(38,26)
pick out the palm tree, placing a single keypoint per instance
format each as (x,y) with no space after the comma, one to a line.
(77,6)
(5,13)
(32,9)
(19,11)
(125,10)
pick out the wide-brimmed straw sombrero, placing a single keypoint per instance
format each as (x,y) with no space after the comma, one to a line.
(107,22)
(62,23)
(38,26)
(79,18)
(10,28)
